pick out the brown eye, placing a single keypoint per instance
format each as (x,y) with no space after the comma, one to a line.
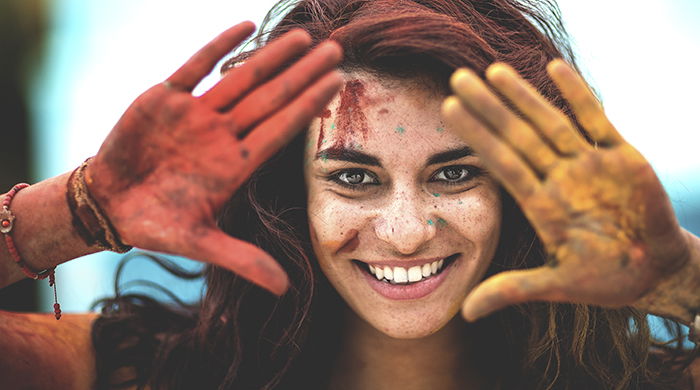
(452,174)
(354,178)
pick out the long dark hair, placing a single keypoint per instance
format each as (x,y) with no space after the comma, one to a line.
(241,337)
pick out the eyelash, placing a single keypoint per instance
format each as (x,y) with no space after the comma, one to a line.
(472,172)
(335,177)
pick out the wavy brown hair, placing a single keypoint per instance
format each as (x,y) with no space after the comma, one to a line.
(240,337)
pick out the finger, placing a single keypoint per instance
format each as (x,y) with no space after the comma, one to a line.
(269,97)
(510,288)
(202,63)
(554,125)
(501,160)
(486,106)
(243,258)
(276,131)
(586,107)
(257,69)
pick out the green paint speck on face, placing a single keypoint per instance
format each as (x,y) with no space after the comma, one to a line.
(400,130)
(324,157)
(436,194)
(440,129)
(332,126)
(460,202)
(430,222)
(442,222)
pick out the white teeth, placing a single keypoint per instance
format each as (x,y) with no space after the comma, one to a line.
(379,273)
(414,274)
(434,267)
(400,275)
(425,271)
(388,273)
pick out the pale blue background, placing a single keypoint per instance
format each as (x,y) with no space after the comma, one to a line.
(641,55)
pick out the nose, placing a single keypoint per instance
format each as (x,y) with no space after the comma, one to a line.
(404,225)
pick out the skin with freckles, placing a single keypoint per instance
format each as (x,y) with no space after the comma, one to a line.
(371,197)
(603,215)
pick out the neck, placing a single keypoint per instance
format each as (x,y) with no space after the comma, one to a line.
(369,359)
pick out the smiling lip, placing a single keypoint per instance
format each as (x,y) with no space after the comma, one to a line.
(407,291)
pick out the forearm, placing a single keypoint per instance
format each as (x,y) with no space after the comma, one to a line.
(40,353)
(43,232)
(678,296)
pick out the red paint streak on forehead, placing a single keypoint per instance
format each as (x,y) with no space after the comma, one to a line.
(320,133)
(349,116)
(323,115)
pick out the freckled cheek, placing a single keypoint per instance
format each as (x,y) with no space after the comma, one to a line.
(334,222)
(476,216)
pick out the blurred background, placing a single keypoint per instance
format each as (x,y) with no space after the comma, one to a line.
(69,68)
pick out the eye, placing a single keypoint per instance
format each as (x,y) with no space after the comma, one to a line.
(453,174)
(353,178)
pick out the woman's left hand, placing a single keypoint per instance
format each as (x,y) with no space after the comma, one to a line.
(601,212)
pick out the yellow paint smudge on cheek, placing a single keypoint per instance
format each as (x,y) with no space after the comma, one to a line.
(331,244)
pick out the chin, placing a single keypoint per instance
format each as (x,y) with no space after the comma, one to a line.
(411,322)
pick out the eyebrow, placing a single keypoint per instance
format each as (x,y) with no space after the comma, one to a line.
(450,155)
(357,157)
(349,155)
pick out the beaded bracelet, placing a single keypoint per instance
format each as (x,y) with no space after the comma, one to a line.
(7,220)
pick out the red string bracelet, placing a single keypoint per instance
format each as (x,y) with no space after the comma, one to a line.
(6,223)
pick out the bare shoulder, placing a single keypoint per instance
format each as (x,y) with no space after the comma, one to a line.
(39,352)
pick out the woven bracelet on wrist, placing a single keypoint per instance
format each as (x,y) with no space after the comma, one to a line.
(7,219)
(88,218)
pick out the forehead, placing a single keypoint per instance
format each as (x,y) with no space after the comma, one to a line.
(388,117)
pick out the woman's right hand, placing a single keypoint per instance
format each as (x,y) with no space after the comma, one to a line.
(173,159)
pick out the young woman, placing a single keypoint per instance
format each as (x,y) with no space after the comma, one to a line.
(385,215)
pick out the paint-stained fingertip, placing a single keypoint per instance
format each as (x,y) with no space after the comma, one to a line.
(334,49)
(300,35)
(236,32)
(279,286)
(461,75)
(470,314)
(498,71)
(449,106)
(557,66)
(246,25)
(335,80)
(273,278)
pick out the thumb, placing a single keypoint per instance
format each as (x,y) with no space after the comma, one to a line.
(241,257)
(509,288)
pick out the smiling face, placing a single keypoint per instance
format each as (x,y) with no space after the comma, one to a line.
(404,219)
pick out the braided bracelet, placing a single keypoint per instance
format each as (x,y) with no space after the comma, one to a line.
(88,218)
(7,219)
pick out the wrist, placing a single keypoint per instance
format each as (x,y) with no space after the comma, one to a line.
(677,296)
(88,217)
